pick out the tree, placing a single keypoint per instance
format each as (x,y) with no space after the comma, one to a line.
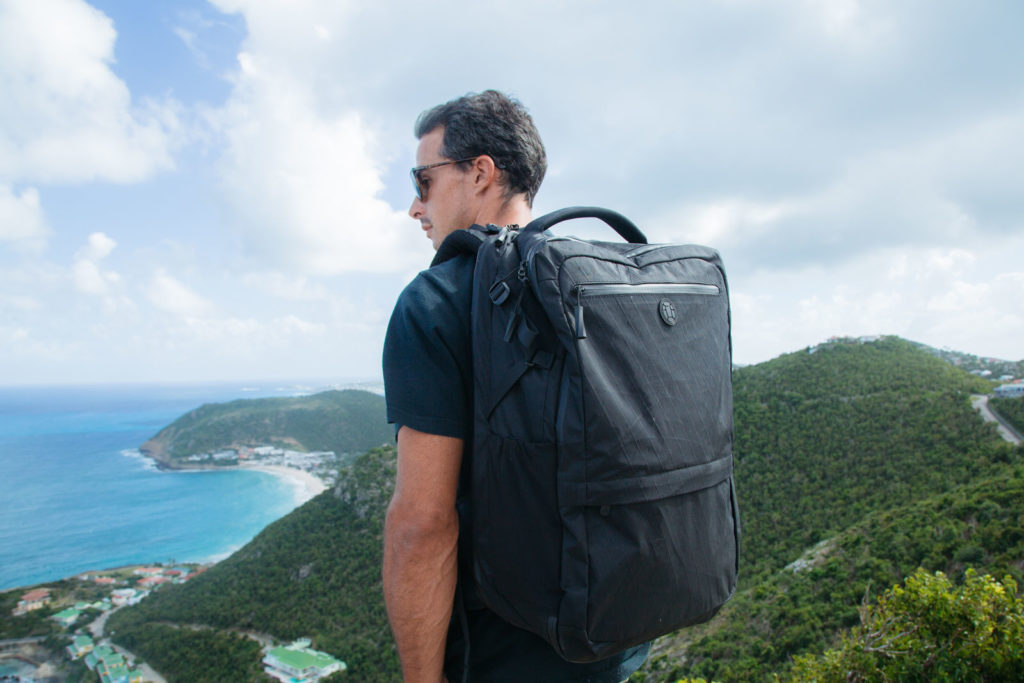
(930,630)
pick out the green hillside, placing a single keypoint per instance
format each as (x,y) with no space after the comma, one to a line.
(314,573)
(824,441)
(346,422)
(824,438)
(856,464)
(802,608)
(1011,410)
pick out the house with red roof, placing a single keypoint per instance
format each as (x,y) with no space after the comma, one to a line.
(32,600)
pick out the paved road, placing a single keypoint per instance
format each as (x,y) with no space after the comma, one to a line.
(98,627)
(980,404)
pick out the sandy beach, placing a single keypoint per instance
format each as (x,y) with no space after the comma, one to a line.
(304,485)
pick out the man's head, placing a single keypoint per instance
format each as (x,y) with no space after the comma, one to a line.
(486,161)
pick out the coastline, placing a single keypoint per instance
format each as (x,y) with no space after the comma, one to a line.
(303,484)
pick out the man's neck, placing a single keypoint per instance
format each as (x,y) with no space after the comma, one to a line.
(515,212)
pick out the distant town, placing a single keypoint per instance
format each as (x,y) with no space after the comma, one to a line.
(79,609)
(321,464)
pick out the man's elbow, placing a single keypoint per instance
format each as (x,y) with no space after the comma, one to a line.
(408,529)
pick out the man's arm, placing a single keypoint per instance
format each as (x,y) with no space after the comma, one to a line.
(421,534)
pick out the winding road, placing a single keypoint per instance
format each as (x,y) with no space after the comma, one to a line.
(98,626)
(980,403)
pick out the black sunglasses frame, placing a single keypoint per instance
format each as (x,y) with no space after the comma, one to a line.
(415,171)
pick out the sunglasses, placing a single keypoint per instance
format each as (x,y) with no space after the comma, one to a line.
(417,182)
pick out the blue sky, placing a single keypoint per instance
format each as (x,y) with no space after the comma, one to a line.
(197,190)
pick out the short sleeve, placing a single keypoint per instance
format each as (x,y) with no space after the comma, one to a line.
(427,357)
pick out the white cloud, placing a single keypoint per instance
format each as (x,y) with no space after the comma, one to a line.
(13,335)
(66,116)
(98,247)
(88,277)
(857,162)
(169,294)
(21,218)
(720,222)
(283,286)
(951,189)
(305,186)
(965,299)
(19,302)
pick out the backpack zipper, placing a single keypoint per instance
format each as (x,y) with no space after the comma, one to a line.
(601,288)
(611,288)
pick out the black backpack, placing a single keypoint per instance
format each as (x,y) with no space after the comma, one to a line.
(602,506)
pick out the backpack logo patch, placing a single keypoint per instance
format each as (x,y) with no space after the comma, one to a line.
(667,310)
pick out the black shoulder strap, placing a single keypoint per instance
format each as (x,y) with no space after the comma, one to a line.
(466,241)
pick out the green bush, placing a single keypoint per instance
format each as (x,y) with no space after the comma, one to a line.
(931,630)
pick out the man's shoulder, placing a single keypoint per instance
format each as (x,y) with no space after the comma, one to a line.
(450,271)
(446,283)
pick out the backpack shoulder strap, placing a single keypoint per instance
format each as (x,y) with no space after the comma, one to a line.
(466,241)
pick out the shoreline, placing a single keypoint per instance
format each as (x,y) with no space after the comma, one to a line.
(303,484)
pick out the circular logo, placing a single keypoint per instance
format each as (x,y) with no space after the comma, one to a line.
(667,310)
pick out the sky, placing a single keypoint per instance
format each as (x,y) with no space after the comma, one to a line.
(218,190)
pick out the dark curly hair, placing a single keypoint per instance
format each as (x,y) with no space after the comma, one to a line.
(494,124)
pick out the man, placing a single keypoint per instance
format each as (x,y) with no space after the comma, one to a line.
(480,160)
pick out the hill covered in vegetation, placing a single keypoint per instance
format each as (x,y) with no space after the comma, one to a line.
(1011,410)
(313,573)
(996,367)
(346,422)
(839,449)
(857,463)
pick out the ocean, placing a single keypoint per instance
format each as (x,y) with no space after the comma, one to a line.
(76,495)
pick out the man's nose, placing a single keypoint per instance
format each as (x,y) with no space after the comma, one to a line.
(416,208)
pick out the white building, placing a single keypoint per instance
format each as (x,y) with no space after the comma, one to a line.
(1010,390)
(298,663)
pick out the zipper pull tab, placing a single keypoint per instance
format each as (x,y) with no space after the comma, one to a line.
(513,321)
(499,241)
(581,329)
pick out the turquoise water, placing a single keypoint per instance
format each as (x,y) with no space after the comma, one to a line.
(75,495)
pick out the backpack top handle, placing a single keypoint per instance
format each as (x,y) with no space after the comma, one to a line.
(617,221)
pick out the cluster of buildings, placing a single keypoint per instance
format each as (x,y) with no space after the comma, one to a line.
(272,455)
(1012,390)
(37,598)
(318,463)
(124,589)
(299,663)
(148,579)
(109,665)
(154,576)
(31,601)
(69,615)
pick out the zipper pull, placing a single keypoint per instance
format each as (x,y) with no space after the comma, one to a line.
(581,329)
(499,241)
(513,321)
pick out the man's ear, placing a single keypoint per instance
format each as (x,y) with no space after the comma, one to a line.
(485,173)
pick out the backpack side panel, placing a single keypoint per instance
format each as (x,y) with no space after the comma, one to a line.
(516,527)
